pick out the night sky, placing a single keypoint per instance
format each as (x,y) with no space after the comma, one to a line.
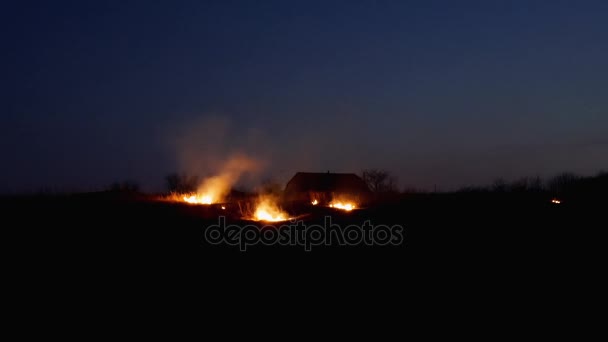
(445,93)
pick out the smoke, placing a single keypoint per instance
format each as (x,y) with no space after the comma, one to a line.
(221,155)
(228,153)
(227,175)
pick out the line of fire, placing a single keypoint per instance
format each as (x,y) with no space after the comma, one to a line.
(305,192)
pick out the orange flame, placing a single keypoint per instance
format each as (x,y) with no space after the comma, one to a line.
(198,199)
(347,206)
(314,202)
(556,201)
(267,210)
(215,189)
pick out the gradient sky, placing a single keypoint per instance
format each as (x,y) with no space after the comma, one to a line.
(444,93)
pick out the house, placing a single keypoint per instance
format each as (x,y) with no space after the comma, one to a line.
(327,187)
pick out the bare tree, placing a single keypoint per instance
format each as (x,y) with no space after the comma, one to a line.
(563,182)
(379,180)
(181,183)
(527,184)
(499,185)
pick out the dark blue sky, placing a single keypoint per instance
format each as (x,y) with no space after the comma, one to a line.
(438,92)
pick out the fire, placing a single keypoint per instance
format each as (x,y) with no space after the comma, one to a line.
(199,199)
(556,201)
(212,190)
(314,202)
(215,189)
(267,210)
(190,198)
(343,205)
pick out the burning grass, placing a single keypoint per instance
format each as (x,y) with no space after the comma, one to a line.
(341,204)
(198,199)
(190,198)
(347,206)
(267,209)
(264,208)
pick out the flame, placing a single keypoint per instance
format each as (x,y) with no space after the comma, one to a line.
(267,210)
(199,199)
(347,206)
(556,201)
(314,202)
(215,189)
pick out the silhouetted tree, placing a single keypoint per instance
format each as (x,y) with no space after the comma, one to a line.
(499,185)
(563,182)
(379,180)
(181,183)
(533,184)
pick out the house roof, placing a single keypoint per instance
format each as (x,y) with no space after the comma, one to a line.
(326,182)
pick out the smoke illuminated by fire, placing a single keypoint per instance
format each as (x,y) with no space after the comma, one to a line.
(215,189)
(211,148)
(267,210)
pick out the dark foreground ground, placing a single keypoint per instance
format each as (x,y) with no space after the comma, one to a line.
(109,227)
(104,243)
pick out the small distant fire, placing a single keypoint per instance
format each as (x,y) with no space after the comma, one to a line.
(314,202)
(267,210)
(556,201)
(347,206)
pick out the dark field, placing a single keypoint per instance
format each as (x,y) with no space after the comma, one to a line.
(114,229)
(109,248)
